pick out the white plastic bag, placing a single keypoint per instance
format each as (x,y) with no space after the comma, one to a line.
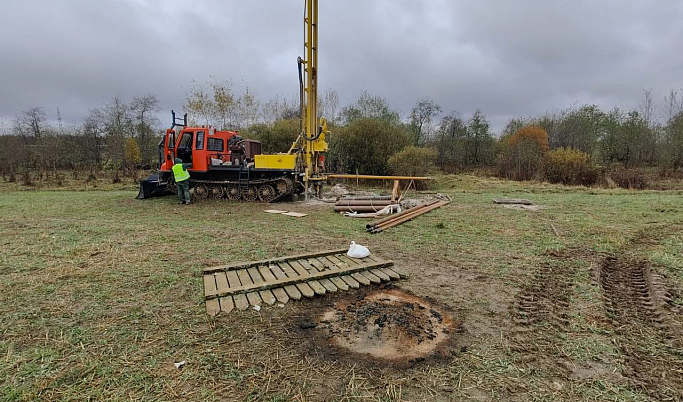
(357,251)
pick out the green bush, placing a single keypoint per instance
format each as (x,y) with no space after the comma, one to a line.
(570,166)
(274,138)
(413,161)
(365,146)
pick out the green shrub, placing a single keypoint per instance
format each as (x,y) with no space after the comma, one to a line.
(413,161)
(570,166)
(274,138)
(365,146)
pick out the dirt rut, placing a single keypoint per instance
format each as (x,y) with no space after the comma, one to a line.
(648,329)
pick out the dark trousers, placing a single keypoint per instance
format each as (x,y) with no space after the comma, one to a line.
(183,190)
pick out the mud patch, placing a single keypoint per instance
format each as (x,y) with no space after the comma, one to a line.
(389,325)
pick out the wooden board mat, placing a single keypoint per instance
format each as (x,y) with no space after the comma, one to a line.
(278,211)
(279,280)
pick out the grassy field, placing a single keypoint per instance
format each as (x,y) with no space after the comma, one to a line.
(102,293)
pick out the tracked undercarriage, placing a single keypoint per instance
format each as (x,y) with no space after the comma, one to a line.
(263,190)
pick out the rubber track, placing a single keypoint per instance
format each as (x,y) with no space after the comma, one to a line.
(290,185)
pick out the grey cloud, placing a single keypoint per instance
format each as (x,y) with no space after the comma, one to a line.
(507,58)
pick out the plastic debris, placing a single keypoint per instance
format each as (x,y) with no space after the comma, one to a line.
(357,251)
(179,364)
(257,307)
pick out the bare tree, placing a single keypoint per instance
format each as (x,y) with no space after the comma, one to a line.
(248,107)
(421,119)
(328,105)
(673,104)
(199,104)
(143,108)
(647,107)
(30,124)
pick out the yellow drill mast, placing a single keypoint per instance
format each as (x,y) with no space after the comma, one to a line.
(312,139)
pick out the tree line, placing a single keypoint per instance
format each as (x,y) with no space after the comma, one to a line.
(123,134)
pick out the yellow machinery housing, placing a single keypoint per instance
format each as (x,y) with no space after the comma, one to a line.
(276,161)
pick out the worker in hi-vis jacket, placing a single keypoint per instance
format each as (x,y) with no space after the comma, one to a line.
(182,180)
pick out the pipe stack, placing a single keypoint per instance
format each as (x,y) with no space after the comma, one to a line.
(405,216)
(362,204)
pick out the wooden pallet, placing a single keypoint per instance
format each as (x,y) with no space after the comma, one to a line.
(241,284)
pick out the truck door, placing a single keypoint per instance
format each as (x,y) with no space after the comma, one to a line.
(184,150)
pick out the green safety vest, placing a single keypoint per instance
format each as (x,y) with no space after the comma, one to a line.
(179,173)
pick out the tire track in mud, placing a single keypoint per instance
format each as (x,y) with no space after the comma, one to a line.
(648,333)
(540,314)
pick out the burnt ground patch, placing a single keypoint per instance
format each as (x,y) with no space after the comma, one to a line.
(386,327)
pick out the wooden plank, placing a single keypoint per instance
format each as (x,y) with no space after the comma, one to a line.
(281,295)
(327,263)
(271,296)
(393,275)
(360,278)
(254,298)
(277,272)
(317,287)
(246,264)
(336,261)
(209,284)
(221,282)
(310,267)
(295,214)
(351,262)
(512,201)
(288,270)
(267,296)
(266,273)
(233,280)
(316,264)
(373,278)
(402,273)
(329,286)
(350,281)
(245,279)
(292,292)
(381,275)
(241,302)
(213,307)
(300,279)
(339,283)
(300,269)
(255,275)
(226,304)
(305,289)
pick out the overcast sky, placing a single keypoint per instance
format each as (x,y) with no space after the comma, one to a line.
(508,58)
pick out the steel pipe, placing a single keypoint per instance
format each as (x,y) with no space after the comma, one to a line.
(402,213)
(374,177)
(344,203)
(359,208)
(406,218)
